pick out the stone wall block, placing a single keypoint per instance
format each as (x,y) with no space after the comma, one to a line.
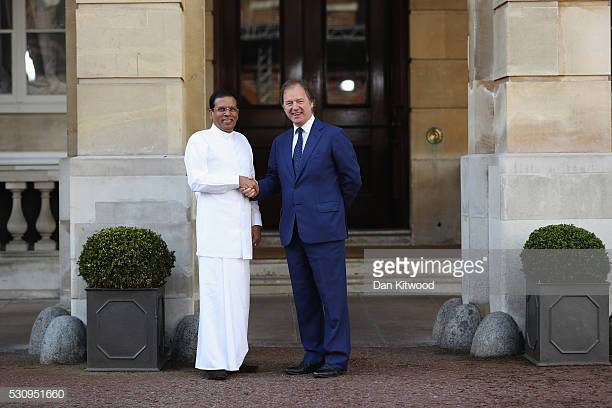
(553,116)
(436,209)
(453,122)
(584,28)
(438,34)
(130,40)
(438,4)
(438,84)
(21,132)
(119,117)
(526,38)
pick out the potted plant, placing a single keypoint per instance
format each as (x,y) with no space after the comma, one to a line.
(125,269)
(566,268)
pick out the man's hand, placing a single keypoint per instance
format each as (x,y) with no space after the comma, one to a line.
(256,234)
(246,182)
(249,187)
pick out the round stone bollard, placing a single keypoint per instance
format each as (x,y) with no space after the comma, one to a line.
(185,341)
(65,342)
(497,335)
(41,323)
(462,323)
(442,319)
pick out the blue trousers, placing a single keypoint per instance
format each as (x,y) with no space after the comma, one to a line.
(318,279)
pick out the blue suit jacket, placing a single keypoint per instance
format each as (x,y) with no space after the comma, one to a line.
(323,188)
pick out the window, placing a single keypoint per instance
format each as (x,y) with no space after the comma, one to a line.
(32,56)
(260,51)
(346,62)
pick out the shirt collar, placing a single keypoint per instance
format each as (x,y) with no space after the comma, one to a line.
(306,127)
(219,132)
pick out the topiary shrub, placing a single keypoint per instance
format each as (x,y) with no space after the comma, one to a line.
(563,253)
(125,257)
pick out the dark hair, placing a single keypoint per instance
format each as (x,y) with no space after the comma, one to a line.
(293,82)
(220,93)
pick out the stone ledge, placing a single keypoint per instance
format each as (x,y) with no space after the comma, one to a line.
(116,166)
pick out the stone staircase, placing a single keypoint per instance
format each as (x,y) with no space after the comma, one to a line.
(269,273)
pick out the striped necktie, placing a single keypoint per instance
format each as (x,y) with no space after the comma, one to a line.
(297,151)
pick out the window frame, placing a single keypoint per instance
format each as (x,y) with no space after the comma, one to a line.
(19,101)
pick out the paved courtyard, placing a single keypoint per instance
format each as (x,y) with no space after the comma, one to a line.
(392,364)
(417,376)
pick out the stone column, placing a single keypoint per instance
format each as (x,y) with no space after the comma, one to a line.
(539,133)
(438,98)
(129,116)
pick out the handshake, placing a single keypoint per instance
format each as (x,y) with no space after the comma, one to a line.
(248,187)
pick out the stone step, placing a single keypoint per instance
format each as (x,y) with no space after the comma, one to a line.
(271,276)
(357,238)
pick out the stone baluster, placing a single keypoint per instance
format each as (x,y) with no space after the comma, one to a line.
(45,224)
(17,225)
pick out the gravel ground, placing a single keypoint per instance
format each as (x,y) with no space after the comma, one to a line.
(423,376)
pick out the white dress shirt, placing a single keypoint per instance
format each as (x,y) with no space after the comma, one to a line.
(214,160)
(305,132)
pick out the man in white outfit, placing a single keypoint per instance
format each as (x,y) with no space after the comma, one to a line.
(219,163)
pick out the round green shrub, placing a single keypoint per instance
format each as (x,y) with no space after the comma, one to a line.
(563,253)
(125,257)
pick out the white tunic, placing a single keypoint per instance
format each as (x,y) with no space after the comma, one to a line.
(214,159)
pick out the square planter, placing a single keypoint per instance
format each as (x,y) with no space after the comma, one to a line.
(567,324)
(125,329)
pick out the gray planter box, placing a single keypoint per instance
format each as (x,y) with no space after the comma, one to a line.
(125,329)
(567,324)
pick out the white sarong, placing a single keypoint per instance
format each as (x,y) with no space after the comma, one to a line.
(224,313)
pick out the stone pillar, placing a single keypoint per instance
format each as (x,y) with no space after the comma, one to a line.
(539,133)
(129,116)
(438,98)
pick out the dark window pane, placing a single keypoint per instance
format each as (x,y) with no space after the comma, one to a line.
(45,14)
(45,61)
(259,51)
(6,83)
(6,14)
(346,52)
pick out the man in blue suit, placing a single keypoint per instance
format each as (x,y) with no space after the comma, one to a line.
(314,167)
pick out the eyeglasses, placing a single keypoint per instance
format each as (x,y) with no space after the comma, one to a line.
(223,109)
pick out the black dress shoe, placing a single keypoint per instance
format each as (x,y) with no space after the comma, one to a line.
(248,368)
(303,368)
(216,374)
(328,371)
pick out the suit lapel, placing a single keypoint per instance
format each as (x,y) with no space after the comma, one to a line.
(286,153)
(311,143)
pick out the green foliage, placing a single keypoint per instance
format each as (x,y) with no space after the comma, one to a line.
(125,257)
(564,253)
(563,236)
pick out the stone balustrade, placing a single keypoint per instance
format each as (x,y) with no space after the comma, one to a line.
(29,202)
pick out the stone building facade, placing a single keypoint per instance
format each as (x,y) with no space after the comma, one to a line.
(519,89)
